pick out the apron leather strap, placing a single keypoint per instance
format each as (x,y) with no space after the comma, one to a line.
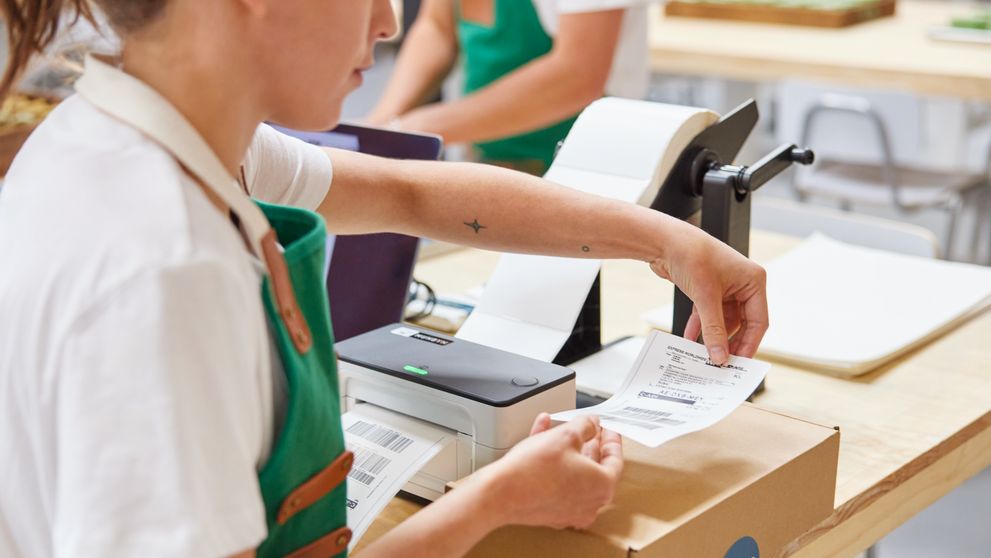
(318,486)
(328,545)
(138,105)
(285,295)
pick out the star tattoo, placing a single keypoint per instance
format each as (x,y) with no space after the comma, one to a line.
(475,225)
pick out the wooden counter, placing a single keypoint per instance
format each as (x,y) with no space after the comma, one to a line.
(891,52)
(911,431)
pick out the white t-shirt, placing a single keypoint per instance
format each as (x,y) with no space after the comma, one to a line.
(630,74)
(139,388)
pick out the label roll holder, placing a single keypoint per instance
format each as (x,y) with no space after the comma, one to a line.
(705,188)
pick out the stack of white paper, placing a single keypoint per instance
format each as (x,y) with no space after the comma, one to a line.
(849,309)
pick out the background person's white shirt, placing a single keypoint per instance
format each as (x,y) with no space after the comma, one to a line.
(630,74)
(138,385)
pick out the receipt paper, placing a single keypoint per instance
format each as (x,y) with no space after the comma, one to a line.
(389,449)
(672,390)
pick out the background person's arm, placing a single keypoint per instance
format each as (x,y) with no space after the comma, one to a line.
(497,209)
(426,58)
(547,90)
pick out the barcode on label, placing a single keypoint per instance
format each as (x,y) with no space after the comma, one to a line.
(641,413)
(648,419)
(362,477)
(637,423)
(385,437)
(370,461)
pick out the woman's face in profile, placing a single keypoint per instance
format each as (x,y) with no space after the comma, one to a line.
(310,55)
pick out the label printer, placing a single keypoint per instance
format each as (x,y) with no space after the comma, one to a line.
(486,398)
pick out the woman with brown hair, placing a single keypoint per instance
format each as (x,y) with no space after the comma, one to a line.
(167,376)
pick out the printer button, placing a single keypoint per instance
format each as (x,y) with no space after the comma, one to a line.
(525,381)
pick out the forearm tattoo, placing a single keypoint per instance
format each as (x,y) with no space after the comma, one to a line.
(586,249)
(475,225)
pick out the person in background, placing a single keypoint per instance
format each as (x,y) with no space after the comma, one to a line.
(530,66)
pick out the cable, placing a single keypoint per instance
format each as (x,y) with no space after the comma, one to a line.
(421,292)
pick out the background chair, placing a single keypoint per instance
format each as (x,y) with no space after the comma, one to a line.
(886,149)
(801,220)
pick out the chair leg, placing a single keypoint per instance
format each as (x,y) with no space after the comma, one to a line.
(986,221)
(975,198)
(982,216)
(954,211)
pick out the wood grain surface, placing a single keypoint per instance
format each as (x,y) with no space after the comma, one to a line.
(784,15)
(891,52)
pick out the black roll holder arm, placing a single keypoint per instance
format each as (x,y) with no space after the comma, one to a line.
(703,179)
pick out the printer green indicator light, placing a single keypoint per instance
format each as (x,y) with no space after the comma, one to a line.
(415,370)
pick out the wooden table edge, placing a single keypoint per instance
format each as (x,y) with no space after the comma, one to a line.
(749,68)
(899,486)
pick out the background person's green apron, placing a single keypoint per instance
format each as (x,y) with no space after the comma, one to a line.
(514,39)
(303,482)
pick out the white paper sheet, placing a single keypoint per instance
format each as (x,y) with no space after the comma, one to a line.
(389,449)
(602,374)
(620,149)
(674,390)
(849,309)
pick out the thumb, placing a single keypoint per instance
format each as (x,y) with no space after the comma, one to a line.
(540,424)
(714,329)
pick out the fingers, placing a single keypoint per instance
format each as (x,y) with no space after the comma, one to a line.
(733,319)
(592,449)
(739,325)
(582,429)
(540,424)
(694,326)
(754,326)
(737,340)
(611,454)
(710,309)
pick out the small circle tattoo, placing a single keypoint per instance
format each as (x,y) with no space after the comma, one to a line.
(586,249)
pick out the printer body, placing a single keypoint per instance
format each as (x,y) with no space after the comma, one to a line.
(484,398)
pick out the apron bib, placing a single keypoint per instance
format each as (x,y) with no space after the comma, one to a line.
(515,39)
(303,482)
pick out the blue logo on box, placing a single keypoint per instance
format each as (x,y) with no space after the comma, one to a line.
(744,548)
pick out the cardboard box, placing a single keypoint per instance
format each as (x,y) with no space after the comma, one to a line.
(752,483)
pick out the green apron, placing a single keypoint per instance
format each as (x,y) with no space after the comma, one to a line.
(303,482)
(515,39)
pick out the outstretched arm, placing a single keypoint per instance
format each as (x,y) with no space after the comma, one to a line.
(497,209)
